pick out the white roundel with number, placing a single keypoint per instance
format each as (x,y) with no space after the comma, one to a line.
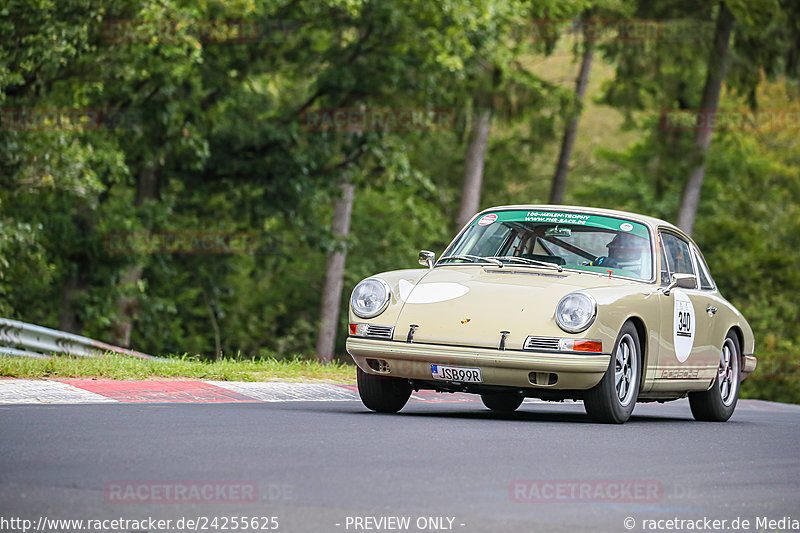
(683,326)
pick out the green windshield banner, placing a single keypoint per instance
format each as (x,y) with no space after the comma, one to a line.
(565,218)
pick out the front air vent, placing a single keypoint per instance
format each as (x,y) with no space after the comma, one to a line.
(379,332)
(543,378)
(379,365)
(541,343)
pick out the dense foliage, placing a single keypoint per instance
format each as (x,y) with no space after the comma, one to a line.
(192,131)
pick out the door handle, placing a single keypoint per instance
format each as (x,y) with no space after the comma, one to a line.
(711,309)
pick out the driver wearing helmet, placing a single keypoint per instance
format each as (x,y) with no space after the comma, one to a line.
(624,251)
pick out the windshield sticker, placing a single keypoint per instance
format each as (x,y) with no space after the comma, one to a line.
(564,218)
(557,218)
(487,219)
(683,326)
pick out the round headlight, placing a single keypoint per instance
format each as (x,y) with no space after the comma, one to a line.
(370,297)
(575,312)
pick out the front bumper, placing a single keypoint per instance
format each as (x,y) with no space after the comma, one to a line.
(509,368)
(749,365)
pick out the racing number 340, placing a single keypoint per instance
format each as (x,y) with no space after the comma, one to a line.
(684,324)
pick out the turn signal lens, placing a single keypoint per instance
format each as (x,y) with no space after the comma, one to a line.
(588,346)
(358,330)
(579,345)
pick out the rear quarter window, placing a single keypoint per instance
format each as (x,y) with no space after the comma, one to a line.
(706,283)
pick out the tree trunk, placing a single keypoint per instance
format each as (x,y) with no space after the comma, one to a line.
(128,306)
(568,141)
(473,167)
(332,292)
(717,67)
(67,318)
(127,309)
(212,318)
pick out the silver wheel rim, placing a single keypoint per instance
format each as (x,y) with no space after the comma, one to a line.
(728,373)
(626,369)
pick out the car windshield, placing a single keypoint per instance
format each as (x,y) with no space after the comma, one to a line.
(567,240)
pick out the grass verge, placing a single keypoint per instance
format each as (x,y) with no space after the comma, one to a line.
(113,366)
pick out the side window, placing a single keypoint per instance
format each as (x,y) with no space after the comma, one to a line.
(665,275)
(705,277)
(679,258)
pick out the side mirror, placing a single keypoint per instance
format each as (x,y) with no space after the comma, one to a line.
(681,281)
(427,258)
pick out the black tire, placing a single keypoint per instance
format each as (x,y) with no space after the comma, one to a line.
(718,403)
(602,402)
(502,402)
(382,394)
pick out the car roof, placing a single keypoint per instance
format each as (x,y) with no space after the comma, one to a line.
(653,222)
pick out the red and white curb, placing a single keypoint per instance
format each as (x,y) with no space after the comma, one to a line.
(82,391)
(33,391)
(40,391)
(86,391)
(276,391)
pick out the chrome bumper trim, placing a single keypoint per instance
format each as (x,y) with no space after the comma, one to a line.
(490,357)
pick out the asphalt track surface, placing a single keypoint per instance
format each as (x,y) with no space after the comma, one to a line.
(319,465)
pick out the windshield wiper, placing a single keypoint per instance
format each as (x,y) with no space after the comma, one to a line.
(525,260)
(474,259)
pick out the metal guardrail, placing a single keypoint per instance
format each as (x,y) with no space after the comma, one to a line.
(21,339)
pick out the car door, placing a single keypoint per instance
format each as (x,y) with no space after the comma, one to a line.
(687,358)
(711,303)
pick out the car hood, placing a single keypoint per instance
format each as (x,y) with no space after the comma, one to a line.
(472,305)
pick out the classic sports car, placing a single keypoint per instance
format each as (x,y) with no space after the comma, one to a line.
(554,302)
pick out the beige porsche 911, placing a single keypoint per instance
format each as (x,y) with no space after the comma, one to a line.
(554,302)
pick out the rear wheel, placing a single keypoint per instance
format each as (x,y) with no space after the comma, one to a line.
(502,402)
(613,399)
(381,393)
(717,403)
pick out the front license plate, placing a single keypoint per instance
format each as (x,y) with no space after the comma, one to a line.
(456,373)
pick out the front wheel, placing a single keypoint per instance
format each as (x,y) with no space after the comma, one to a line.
(717,403)
(612,400)
(502,402)
(381,393)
